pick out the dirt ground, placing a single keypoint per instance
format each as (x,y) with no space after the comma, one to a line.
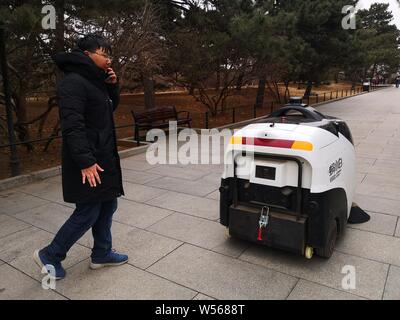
(243,100)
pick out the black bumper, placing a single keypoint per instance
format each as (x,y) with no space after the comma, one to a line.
(283,231)
(286,230)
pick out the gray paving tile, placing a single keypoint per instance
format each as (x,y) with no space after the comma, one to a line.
(214,195)
(377,204)
(196,206)
(17,250)
(204,233)
(365,151)
(392,147)
(365,161)
(370,245)
(372,140)
(180,172)
(137,157)
(49,217)
(398,229)
(201,296)
(382,163)
(13,202)
(360,177)
(382,171)
(138,177)
(207,168)
(140,193)
(385,155)
(201,168)
(365,148)
(138,214)
(46,190)
(387,131)
(56,179)
(222,277)
(370,275)
(196,188)
(306,290)
(394,141)
(392,290)
(379,190)
(9,225)
(15,285)
(379,223)
(136,164)
(213,178)
(143,247)
(123,282)
(379,179)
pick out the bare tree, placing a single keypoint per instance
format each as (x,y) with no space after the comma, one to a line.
(138,47)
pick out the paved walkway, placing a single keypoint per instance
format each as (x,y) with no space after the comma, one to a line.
(168,224)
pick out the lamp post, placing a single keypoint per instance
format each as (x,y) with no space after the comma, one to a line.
(7,99)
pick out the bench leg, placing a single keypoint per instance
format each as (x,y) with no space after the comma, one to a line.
(137,138)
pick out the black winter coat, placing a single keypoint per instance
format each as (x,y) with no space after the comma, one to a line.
(86,105)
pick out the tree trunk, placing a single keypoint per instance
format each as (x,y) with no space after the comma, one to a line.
(191,89)
(287,91)
(307,93)
(59,44)
(148,84)
(373,73)
(218,81)
(336,77)
(261,91)
(239,82)
(278,94)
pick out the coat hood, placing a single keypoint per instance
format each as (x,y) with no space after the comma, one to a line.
(76,61)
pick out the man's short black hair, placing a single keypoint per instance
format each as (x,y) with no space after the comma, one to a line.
(92,42)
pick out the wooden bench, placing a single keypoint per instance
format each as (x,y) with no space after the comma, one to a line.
(159,118)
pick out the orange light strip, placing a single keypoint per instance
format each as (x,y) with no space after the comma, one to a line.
(273,143)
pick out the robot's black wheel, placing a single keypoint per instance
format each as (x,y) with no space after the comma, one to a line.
(327,251)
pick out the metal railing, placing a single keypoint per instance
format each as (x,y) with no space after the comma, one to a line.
(255,110)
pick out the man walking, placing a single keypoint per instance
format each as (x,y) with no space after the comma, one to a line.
(91,171)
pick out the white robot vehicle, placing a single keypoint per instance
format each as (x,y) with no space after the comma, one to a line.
(289,181)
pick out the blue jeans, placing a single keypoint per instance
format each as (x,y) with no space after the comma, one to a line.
(97,216)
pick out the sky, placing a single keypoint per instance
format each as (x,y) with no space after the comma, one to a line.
(394,7)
